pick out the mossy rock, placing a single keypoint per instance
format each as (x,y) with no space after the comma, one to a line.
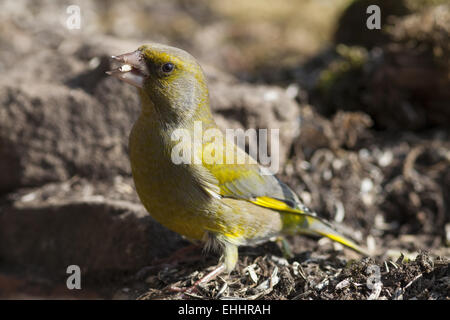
(340,84)
(351,27)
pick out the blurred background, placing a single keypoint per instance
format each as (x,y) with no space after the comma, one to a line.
(363,116)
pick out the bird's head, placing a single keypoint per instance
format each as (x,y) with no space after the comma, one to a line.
(170,77)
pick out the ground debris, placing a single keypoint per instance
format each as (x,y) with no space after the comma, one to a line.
(426,277)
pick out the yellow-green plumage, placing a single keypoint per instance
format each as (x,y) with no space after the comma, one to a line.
(232,204)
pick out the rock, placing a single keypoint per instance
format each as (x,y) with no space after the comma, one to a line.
(351,27)
(51,132)
(401,85)
(410,87)
(103,237)
(245,106)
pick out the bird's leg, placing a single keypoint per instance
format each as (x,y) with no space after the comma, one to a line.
(210,276)
(230,257)
(285,247)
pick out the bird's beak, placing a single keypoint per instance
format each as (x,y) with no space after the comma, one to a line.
(133,69)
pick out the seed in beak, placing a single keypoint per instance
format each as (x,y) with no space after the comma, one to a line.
(125,68)
(132,70)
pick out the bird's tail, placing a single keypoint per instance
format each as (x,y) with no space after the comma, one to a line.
(299,219)
(312,225)
(316,226)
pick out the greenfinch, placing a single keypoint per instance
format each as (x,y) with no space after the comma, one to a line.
(227,205)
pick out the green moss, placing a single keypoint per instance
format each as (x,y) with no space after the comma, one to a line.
(338,84)
(351,60)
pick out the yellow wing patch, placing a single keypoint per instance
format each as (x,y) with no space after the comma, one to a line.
(275,204)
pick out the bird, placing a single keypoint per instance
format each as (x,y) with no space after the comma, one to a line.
(225,205)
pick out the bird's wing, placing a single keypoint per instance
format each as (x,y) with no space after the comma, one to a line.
(251,182)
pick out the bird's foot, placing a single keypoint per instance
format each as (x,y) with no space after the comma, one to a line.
(194,288)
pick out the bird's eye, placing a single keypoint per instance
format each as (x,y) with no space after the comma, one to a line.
(167,67)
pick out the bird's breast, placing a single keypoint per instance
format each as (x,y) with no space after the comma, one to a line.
(169,191)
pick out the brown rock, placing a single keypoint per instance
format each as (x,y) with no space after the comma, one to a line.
(103,237)
(50,132)
(244,106)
